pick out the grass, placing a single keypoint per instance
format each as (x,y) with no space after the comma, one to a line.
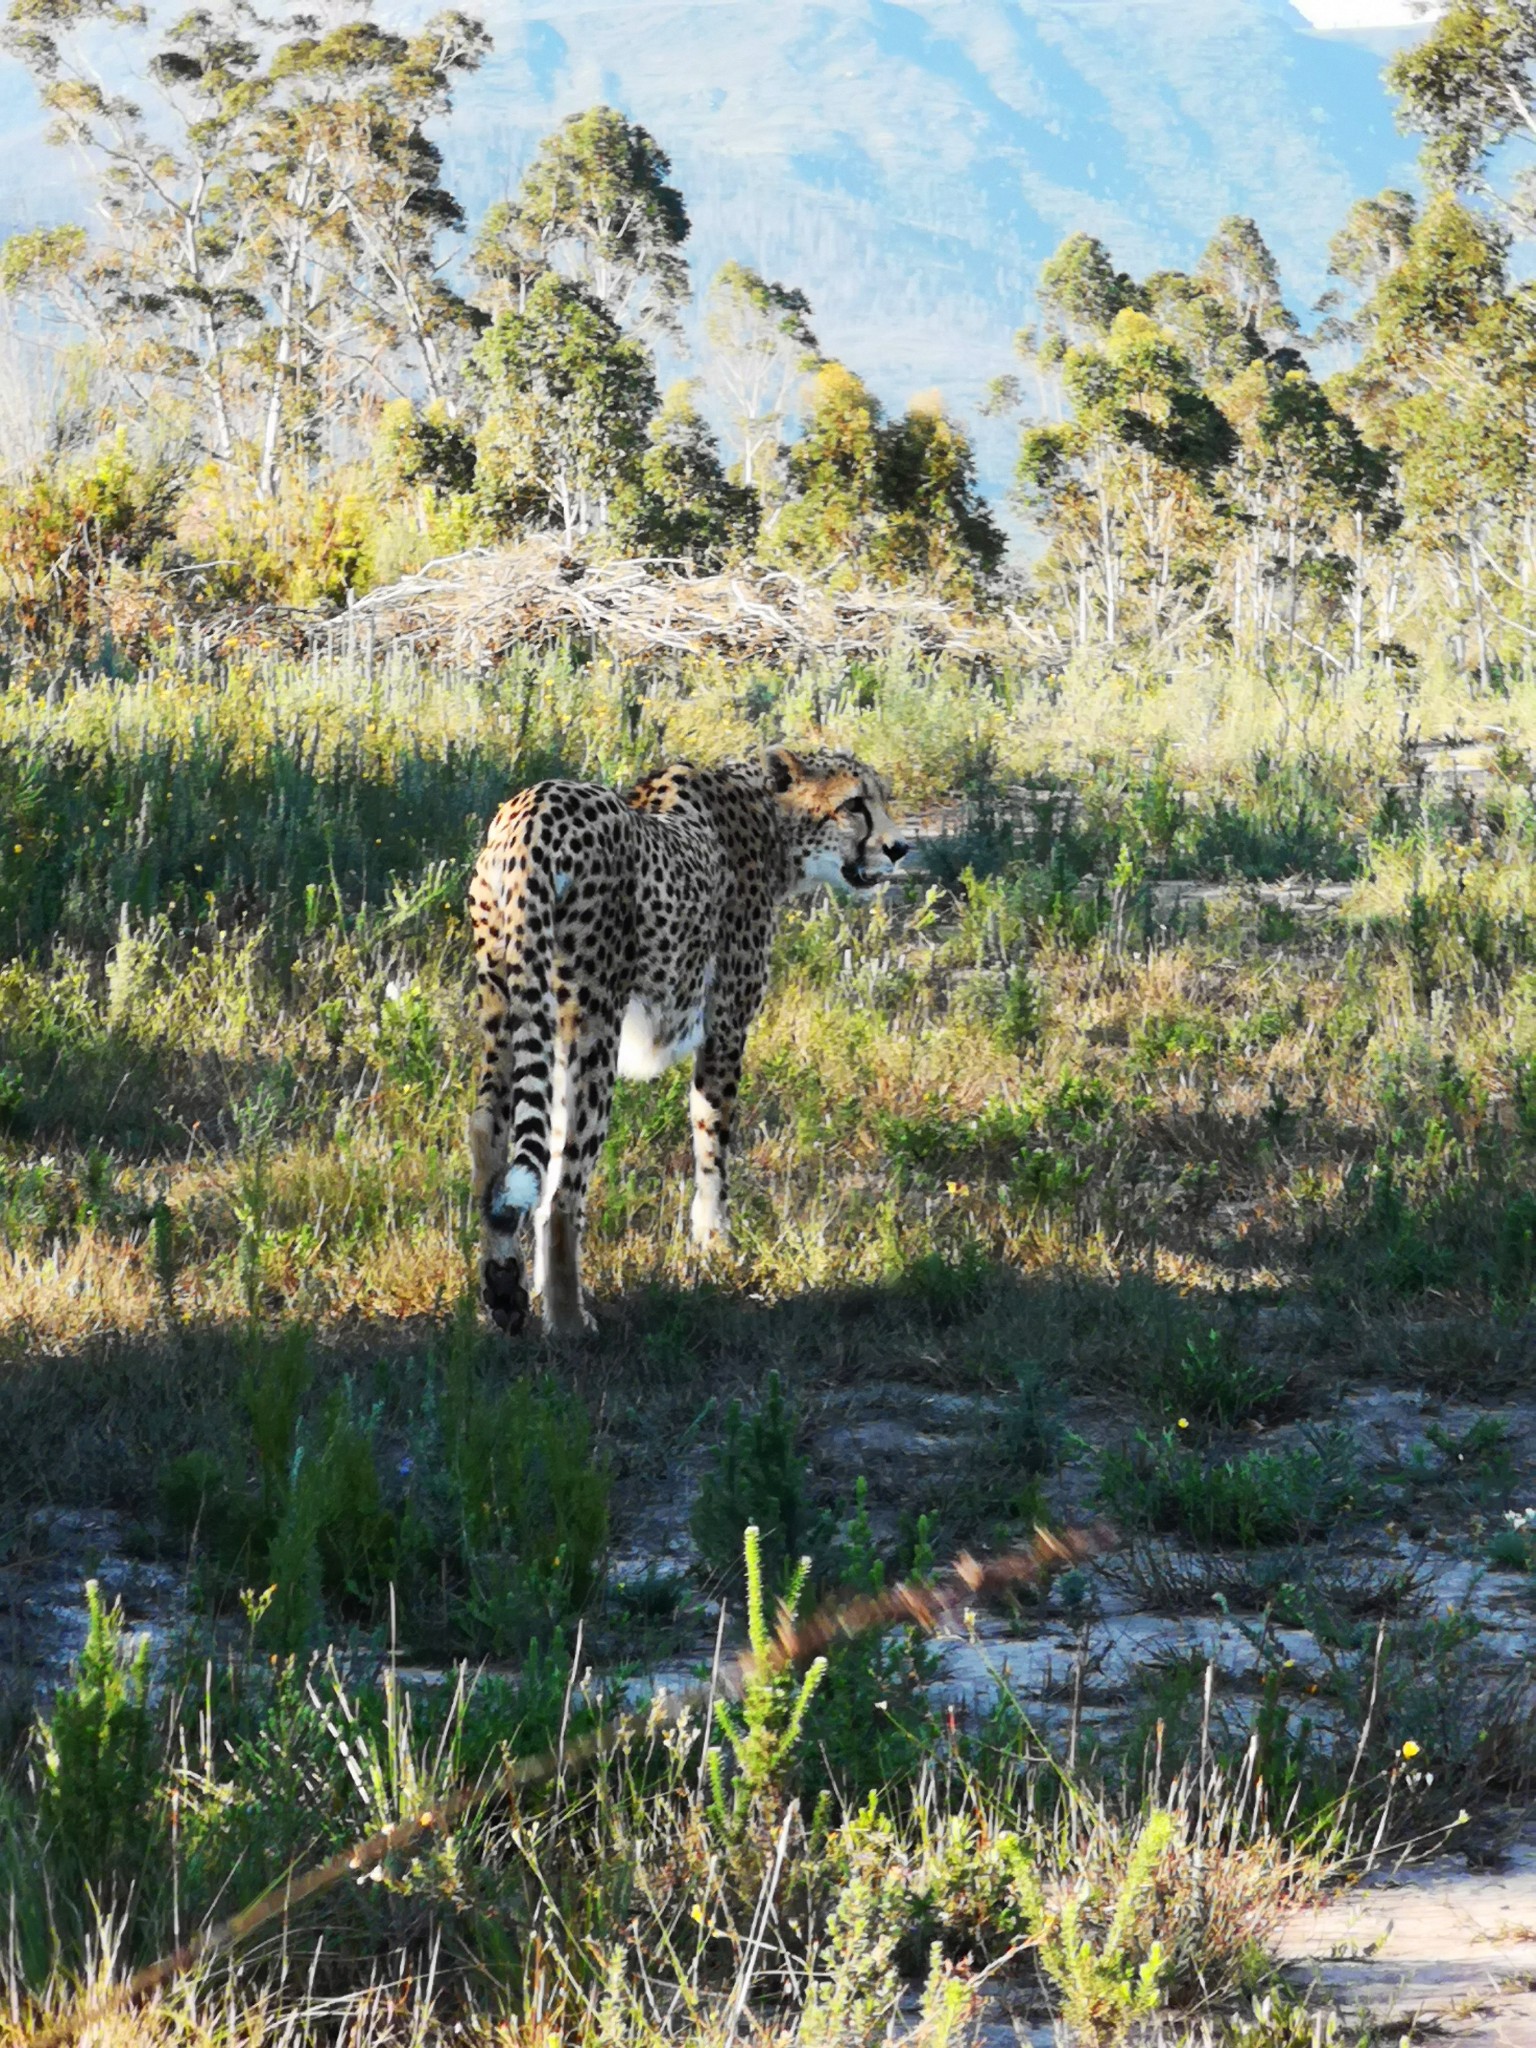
(1090,1130)
(1261,1499)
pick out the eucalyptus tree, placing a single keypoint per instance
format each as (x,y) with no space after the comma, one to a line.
(1438,384)
(167,287)
(267,247)
(1239,267)
(595,206)
(760,350)
(1469,88)
(568,401)
(1305,494)
(936,527)
(834,502)
(896,500)
(1081,293)
(680,503)
(1123,486)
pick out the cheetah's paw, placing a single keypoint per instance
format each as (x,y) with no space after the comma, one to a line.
(504,1293)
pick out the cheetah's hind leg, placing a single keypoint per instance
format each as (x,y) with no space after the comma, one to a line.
(504,1292)
(503,1280)
(503,1283)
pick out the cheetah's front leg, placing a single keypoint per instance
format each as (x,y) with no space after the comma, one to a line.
(712,1105)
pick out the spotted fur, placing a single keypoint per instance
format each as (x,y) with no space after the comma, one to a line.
(619,934)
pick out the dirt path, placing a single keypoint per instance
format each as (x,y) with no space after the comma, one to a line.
(1435,1950)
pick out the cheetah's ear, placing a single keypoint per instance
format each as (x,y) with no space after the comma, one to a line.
(784,767)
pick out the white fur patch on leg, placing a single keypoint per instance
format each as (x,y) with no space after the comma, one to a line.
(519,1188)
(708,1215)
(644,1053)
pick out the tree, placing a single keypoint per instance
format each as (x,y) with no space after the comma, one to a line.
(595,205)
(347,205)
(935,526)
(834,473)
(1442,382)
(1202,322)
(384,176)
(896,501)
(425,449)
(166,290)
(1375,238)
(1238,267)
(507,259)
(761,349)
(1081,293)
(1454,268)
(1469,88)
(1303,484)
(569,397)
(1450,344)
(269,250)
(1119,483)
(682,504)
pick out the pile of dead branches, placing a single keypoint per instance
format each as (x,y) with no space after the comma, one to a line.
(474,607)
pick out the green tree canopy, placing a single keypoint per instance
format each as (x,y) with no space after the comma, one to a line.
(898,500)
(595,205)
(681,504)
(834,472)
(273,232)
(935,526)
(1119,484)
(1081,292)
(1469,88)
(569,398)
(1239,267)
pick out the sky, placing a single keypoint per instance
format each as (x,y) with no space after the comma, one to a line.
(1345,16)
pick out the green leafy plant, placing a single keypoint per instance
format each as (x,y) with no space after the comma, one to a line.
(1210,1380)
(756,1480)
(1266,1497)
(762,1733)
(870,1723)
(531,1500)
(1107,1980)
(98,1760)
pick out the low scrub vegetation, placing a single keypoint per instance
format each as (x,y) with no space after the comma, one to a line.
(1114,1150)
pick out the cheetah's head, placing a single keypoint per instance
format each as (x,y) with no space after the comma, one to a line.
(841,827)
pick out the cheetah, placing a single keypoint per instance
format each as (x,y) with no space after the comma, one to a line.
(621,933)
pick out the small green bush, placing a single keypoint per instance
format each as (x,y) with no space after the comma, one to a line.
(1210,1381)
(870,1724)
(762,1732)
(1264,1498)
(98,1759)
(755,1479)
(500,1503)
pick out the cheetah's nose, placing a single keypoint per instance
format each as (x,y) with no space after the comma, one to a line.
(896,849)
